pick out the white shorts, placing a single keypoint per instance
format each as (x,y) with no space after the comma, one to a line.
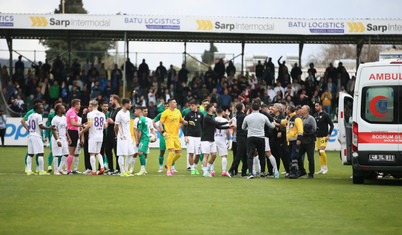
(135,148)
(35,145)
(94,146)
(194,145)
(221,147)
(125,147)
(59,151)
(78,148)
(208,147)
(267,147)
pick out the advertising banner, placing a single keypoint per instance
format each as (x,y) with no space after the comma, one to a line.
(245,25)
(16,135)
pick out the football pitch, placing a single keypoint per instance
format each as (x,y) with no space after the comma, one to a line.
(184,204)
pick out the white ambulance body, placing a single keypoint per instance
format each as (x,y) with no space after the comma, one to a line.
(370,122)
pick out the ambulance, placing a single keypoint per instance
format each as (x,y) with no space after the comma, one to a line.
(370,122)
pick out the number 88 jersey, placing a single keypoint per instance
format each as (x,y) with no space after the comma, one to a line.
(98,121)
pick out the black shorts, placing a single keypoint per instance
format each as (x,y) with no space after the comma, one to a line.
(74,138)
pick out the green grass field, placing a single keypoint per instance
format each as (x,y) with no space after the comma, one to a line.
(185,204)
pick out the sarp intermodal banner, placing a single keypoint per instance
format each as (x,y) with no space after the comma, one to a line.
(249,25)
(16,135)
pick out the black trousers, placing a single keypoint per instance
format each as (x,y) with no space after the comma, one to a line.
(234,149)
(2,134)
(280,152)
(87,160)
(309,149)
(252,144)
(241,155)
(111,144)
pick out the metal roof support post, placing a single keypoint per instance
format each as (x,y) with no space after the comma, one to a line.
(242,57)
(185,53)
(124,65)
(69,51)
(359,48)
(128,48)
(301,45)
(10,49)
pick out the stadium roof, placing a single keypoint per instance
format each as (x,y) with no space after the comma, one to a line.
(200,29)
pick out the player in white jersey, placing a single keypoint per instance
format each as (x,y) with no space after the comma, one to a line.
(222,137)
(125,145)
(60,138)
(35,143)
(96,124)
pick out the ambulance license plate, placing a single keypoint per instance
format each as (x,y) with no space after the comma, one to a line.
(381,158)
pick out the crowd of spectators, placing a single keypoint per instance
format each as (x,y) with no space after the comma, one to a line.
(151,88)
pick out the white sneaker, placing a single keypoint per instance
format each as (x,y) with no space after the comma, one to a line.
(325,171)
(86,172)
(160,169)
(320,172)
(56,172)
(174,170)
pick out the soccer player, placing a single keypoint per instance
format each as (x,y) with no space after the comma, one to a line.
(151,130)
(142,140)
(183,114)
(171,119)
(48,135)
(222,138)
(323,120)
(59,138)
(96,124)
(23,123)
(125,145)
(104,107)
(73,125)
(162,144)
(192,135)
(208,145)
(35,143)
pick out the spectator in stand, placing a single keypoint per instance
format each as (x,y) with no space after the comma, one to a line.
(85,96)
(107,91)
(312,71)
(37,68)
(330,72)
(130,69)
(76,67)
(143,69)
(160,73)
(75,94)
(295,72)
(5,77)
(151,95)
(326,99)
(64,92)
(14,106)
(259,70)
(282,70)
(12,92)
(19,65)
(102,71)
(183,74)
(152,110)
(225,100)
(171,74)
(103,82)
(214,96)
(315,99)
(54,92)
(344,77)
(270,65)
(46,67)
(219,70)
(230,69)
(115,82)
(86,67)
(95,90)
